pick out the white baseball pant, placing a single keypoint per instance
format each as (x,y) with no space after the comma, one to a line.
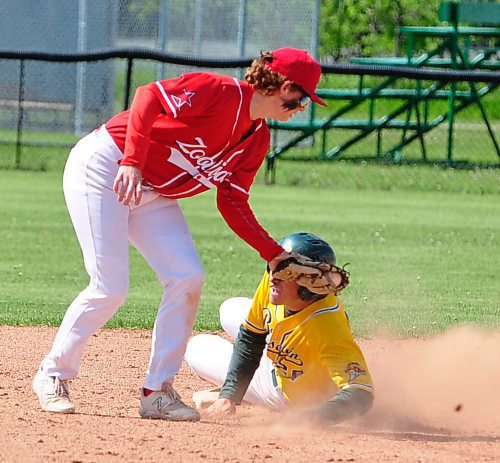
(209,355)
(104,227)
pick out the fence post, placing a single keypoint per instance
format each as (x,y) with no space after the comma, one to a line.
(81,67)
(128,83)
(198,27)
(162,36)
(20,114)
(242,24)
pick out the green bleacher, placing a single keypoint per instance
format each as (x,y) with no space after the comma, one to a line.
(470,42)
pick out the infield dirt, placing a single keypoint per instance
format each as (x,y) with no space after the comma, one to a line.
(437,401)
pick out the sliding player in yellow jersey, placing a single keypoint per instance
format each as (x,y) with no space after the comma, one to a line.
(293,349)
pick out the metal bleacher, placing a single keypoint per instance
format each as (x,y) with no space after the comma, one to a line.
(410,114)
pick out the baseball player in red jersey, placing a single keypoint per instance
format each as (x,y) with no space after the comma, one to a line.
(293,350)
(122,183)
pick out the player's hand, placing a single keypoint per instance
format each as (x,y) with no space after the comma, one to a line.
(221,406)
(283,256)
(128,185)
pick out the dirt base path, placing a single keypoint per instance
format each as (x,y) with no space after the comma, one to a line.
(437,401)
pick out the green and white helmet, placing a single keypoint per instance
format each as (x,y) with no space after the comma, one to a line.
(309,245)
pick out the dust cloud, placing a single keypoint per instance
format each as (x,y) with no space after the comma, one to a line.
(447,383)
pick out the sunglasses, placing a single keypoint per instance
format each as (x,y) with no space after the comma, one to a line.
(300,102)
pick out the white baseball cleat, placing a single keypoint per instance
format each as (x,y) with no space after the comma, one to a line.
(53,393)
(166,405)
(203,399)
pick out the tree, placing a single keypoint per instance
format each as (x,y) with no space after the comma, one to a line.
(351,28)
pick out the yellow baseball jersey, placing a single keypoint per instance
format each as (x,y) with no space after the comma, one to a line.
(313,351)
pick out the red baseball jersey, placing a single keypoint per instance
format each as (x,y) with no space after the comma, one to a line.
(194,133)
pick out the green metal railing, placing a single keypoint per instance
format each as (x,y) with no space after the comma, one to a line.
(451,54)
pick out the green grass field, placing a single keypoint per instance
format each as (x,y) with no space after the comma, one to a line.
(420,261)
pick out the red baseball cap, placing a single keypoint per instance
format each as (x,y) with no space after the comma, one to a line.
(299,67)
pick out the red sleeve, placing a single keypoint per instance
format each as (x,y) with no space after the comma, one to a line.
(233,195)
(237,213)
(143,112)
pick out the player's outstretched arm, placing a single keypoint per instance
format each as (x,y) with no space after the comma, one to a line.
(247,352)
(221,406)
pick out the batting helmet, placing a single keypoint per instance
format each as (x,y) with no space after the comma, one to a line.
(311,246)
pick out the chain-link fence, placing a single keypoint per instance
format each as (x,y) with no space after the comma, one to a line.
(75,97)
(44,102)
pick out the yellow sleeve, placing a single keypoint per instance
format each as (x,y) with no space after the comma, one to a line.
(256,318)
(342,357)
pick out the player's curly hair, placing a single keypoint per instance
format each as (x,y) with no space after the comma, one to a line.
(264,79)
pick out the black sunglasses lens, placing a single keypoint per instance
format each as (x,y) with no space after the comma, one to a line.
(292,104)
